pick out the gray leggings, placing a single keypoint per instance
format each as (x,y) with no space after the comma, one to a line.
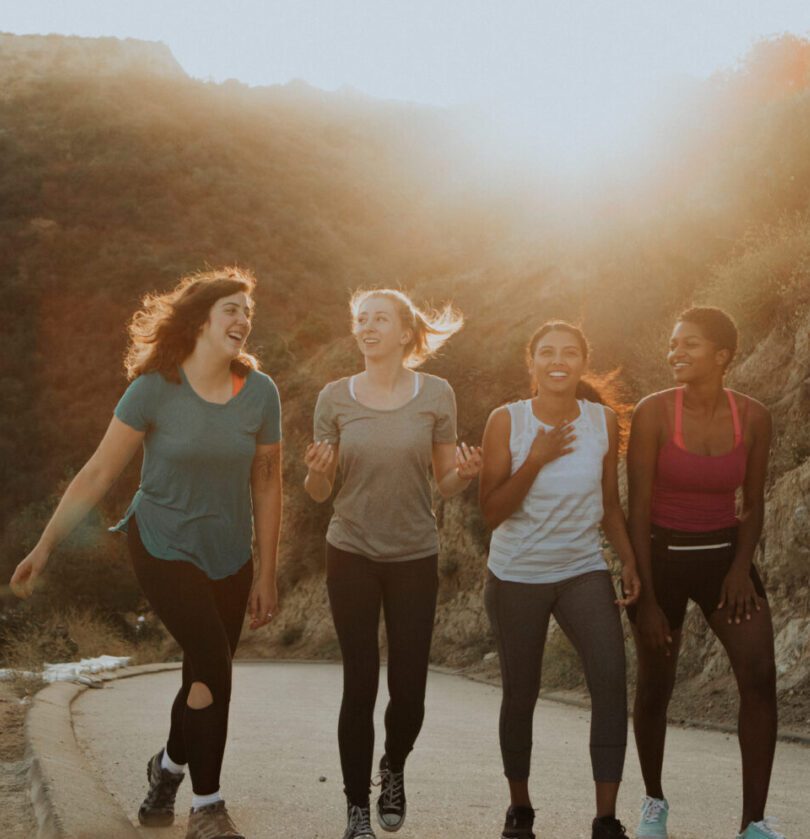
(585,610)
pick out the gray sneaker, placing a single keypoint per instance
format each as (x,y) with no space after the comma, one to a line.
(157,809)
(212,822)
(358,823)
(391,804)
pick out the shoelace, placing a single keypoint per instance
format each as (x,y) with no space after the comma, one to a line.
(359,820)
(392,788)
(653,807)
(768,826)
(163,791)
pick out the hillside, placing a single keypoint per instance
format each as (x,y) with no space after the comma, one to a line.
(115,183)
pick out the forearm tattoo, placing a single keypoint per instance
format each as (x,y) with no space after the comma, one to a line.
(267,465)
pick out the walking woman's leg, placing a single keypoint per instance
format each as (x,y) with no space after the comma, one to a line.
(182,597)
(749,645)
(519,614)
(409,605)
(355,595)
(586,612)
(230,596)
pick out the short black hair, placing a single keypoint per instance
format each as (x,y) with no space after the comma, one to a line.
(718,326)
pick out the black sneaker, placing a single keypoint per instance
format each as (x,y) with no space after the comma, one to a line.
(519,823)
(157,809)
(391,804)
(358,823)
(608,827)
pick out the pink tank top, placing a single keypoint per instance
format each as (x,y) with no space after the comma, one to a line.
(696,492)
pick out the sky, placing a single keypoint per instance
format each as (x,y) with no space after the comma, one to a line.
(566,80)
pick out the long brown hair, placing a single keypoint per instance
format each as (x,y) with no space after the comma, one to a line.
(430,329)
(164,332)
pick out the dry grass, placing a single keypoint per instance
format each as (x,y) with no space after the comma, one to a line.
(76,634)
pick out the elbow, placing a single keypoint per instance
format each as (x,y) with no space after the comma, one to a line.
(491,518)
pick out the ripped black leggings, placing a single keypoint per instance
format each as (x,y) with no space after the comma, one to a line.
(205,617)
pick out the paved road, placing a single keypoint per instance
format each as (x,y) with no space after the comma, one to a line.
(282,740)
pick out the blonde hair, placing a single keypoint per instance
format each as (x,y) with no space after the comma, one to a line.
(164,332)
(430,328)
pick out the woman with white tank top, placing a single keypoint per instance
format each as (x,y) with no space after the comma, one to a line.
(548,482)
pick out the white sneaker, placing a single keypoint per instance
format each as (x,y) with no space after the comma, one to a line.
(766,829)
(653,821)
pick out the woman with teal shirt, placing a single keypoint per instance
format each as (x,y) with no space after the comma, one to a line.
(210,426)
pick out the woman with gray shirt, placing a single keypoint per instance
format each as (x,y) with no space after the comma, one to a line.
(385,428)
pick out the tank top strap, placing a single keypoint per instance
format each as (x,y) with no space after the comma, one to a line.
(519,420)
(735,416)
(595,416)
(677,435)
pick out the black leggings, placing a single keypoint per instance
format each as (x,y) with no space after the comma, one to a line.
(585,610)
(205,617)
(407,592)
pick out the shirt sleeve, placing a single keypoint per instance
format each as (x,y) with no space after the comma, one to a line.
(270,429)
(136,406)
(444,427)
(325,424)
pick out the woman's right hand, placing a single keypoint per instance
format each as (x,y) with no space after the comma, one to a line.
(550,445)
(28,571)
(319,457)
(653,625)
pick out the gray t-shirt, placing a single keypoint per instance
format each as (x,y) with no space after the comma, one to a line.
(194,502)
(383,509)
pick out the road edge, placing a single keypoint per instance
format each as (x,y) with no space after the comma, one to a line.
(63,786)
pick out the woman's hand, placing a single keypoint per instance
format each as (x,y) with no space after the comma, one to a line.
(319,458)
(631,584)
(738,595)
(26,574)
(653,625)
(468,461)
(551,445)
(263,602)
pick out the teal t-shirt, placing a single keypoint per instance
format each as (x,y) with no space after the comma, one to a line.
(193,502)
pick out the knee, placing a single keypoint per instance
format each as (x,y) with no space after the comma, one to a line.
(199,696)
(758,680)
(213,686)
(653,694)
(520,702)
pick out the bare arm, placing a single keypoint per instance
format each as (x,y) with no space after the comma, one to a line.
(613,522)
(501,493)
(265,485)
(116,449)
(642,457)
(738,592)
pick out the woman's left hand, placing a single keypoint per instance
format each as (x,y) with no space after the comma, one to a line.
(263,602)
(738,595)
(468,461)
(631,585)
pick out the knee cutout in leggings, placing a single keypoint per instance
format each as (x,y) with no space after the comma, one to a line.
(199,696)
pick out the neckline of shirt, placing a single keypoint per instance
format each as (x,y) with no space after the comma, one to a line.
(417,389)
(186,383)
(530,407)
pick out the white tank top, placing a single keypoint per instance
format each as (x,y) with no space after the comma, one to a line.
(554,534)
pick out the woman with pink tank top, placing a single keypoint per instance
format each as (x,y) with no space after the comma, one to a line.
(692,448)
